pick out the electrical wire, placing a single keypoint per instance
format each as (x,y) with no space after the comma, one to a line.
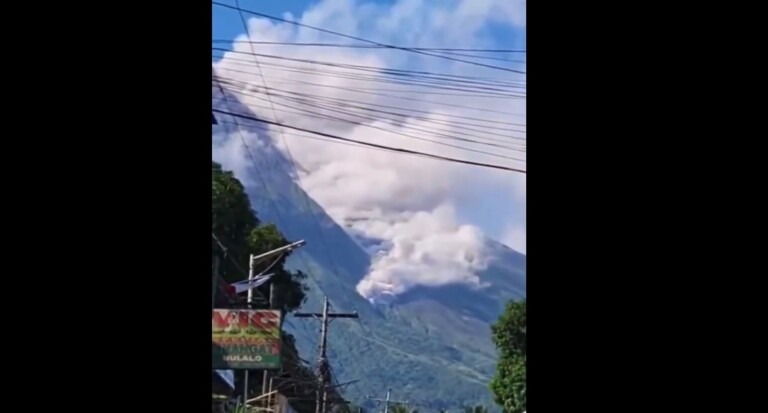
(381,74)
(379,70)
(378,93)
(326,117)
(428,87)
(303,98)
(311,114)
(372,77)
(369,46)
(482,139)
(479,140)
(335,142)
(399,150)
(388,46)
(246,84)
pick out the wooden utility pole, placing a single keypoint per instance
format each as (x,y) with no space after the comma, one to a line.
(248,305)
(388,401)
(323,370)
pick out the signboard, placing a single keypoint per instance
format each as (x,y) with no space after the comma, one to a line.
(246,339)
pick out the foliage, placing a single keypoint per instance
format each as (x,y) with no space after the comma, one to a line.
(232,220)
(509,335)
(236,225)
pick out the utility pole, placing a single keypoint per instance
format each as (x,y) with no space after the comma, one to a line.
(387,401)
(323,370)
(266,379)
(252,261)
(250,298)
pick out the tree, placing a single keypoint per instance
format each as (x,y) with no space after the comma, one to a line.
(509,335)
(236,225)
(232,220)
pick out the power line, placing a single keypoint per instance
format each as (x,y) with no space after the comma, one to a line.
(468,89)
(388,46)
(400,117)
(364,72)
(476,119)
(381,71)
(500,59)
(377,92)
(370,46)
(402,74)
(400,150)
(357,123)
(304,136)
(356,104)
(351,104)
(443,51)
(405,98)
(352,101)
(413,137)
(245,84)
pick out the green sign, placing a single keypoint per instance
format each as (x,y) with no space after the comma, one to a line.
(246,339)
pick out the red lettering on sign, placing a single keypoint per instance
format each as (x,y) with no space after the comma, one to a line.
(220,319)
(267,321)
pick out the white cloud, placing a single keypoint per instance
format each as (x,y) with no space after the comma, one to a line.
(408,203)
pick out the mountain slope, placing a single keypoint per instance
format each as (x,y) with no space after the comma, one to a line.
(432,346)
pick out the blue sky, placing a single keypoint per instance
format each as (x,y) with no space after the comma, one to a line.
(498,211)
(227,24)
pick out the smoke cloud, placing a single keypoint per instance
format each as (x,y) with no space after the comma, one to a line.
(416,212)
